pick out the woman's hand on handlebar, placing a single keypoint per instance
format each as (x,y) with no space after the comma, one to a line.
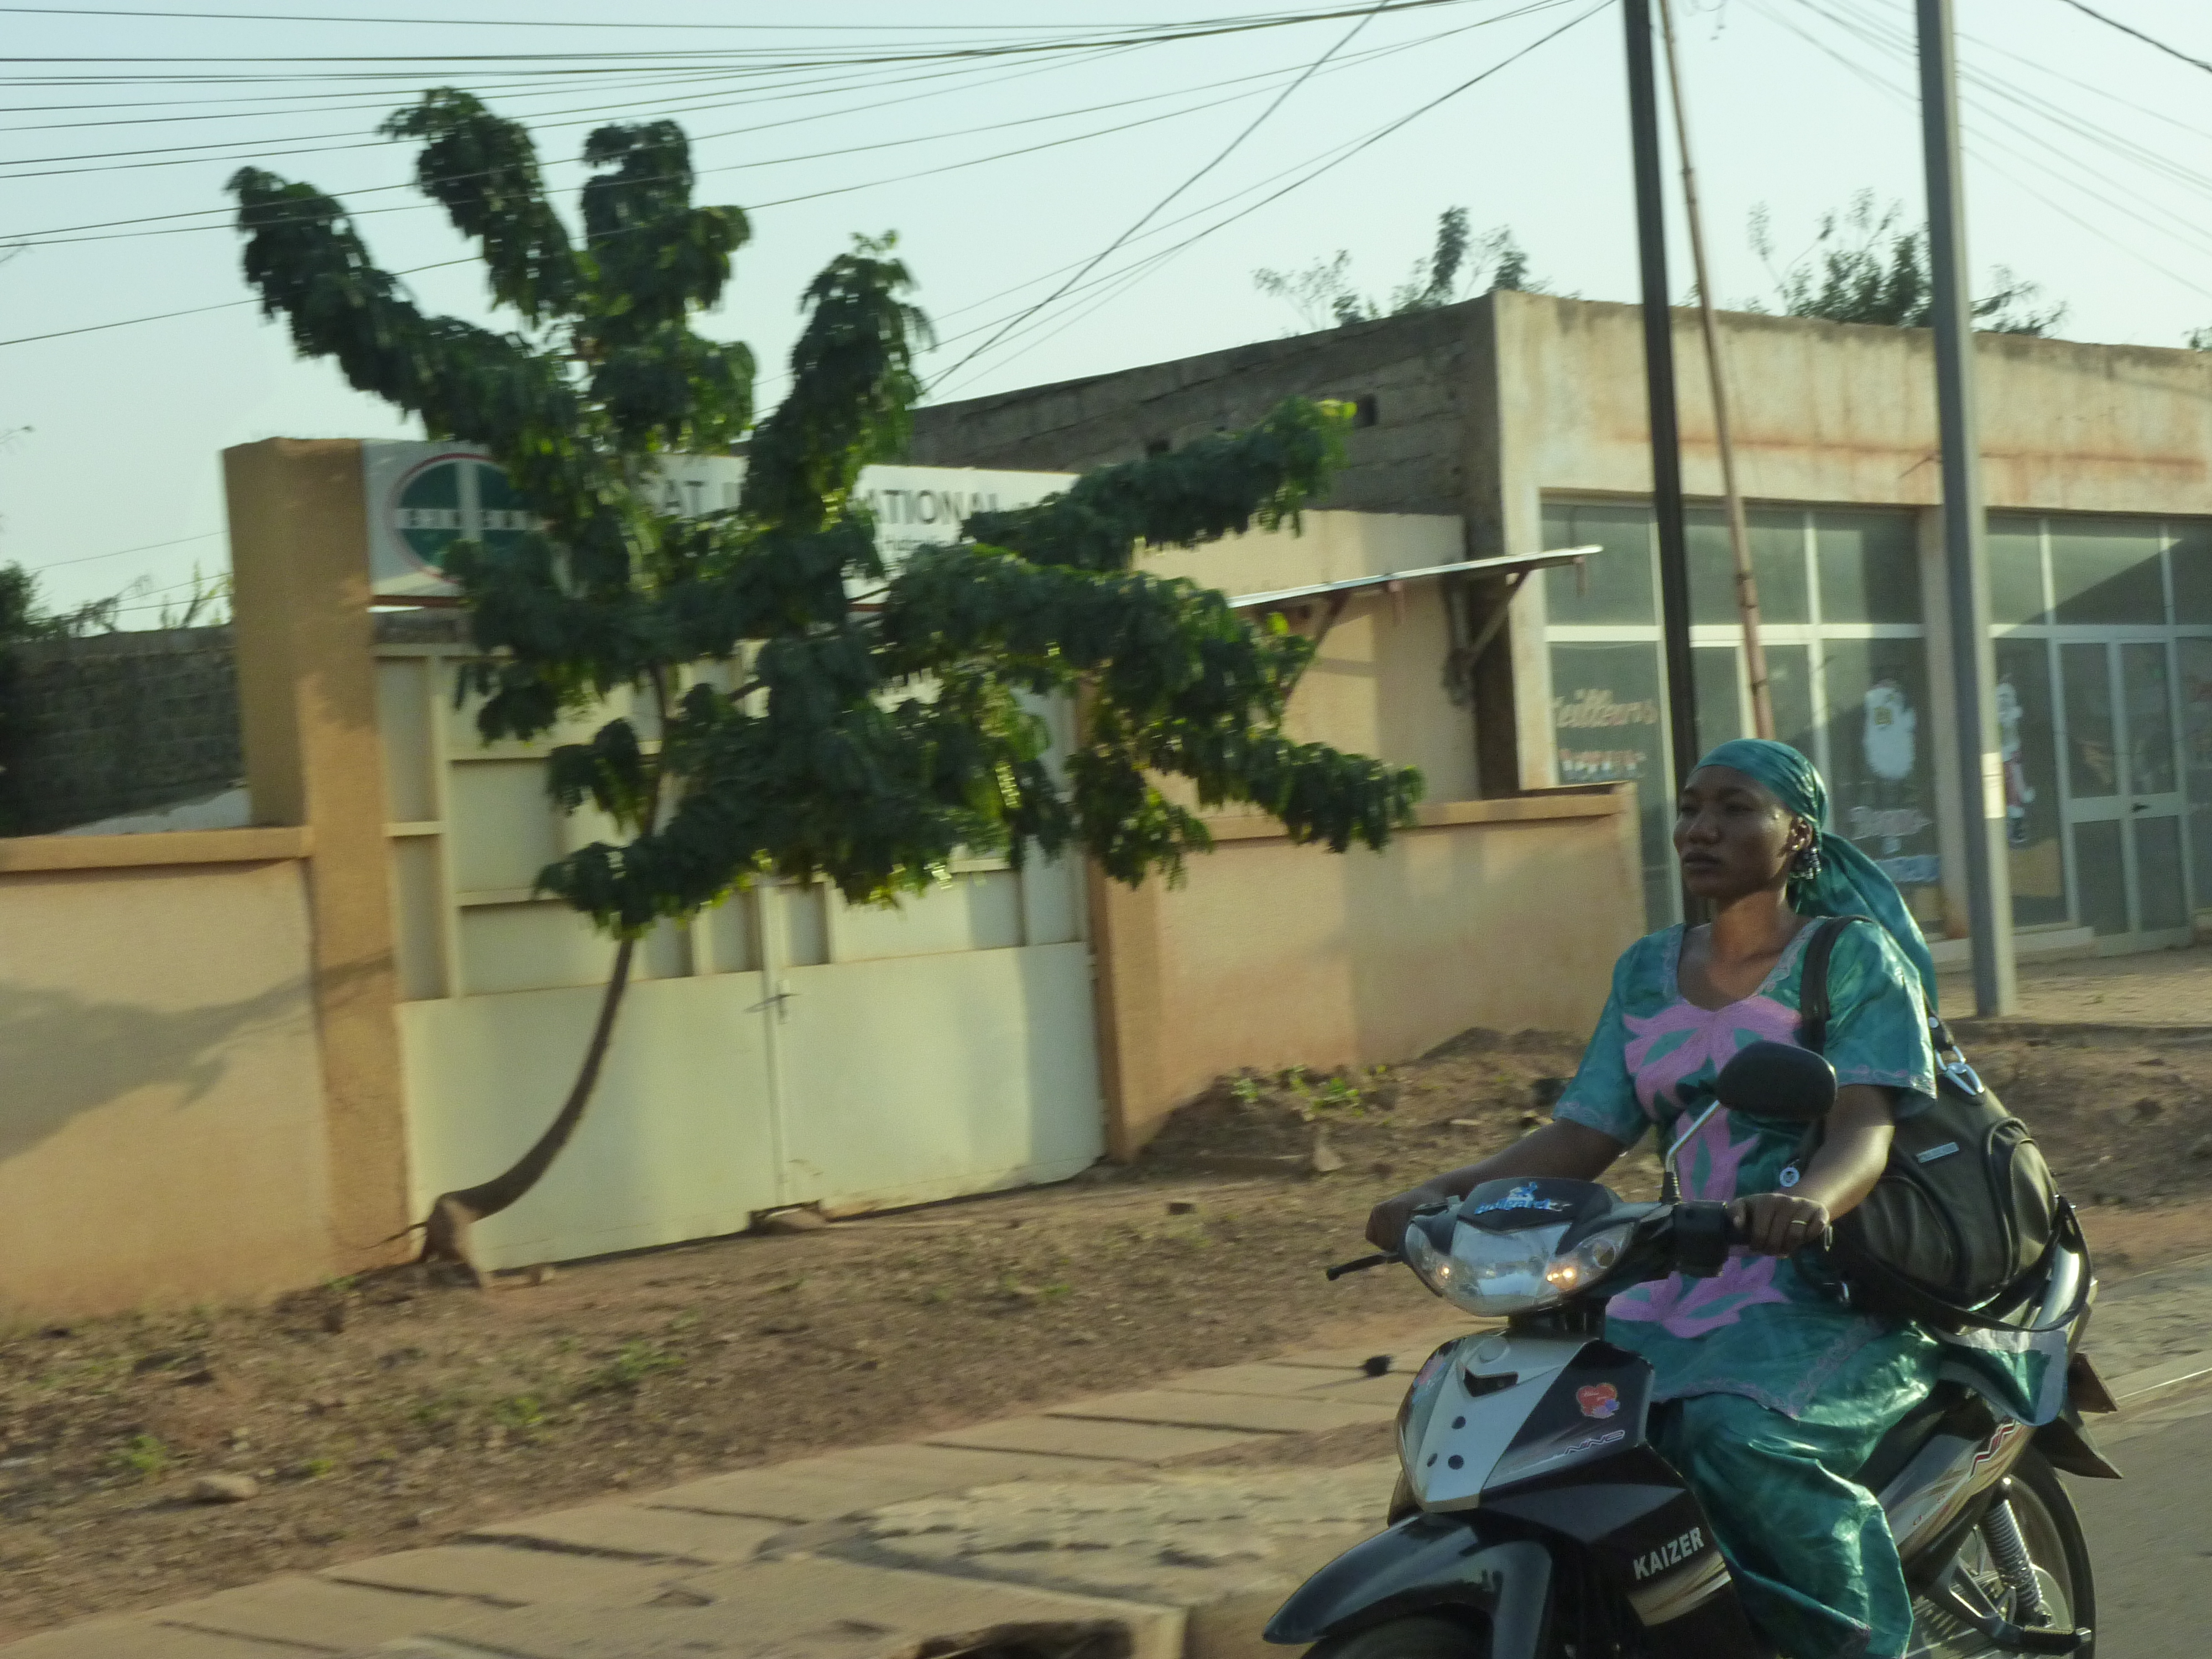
(1386,1222)
(1779,1223)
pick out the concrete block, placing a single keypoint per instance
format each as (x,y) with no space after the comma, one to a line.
(695,1537)
(510,1577)
(811,1609)
(145,1638)
(1386,1390)
(1134,1443)
(1269,1380)
(843,1483)
(312,1613)
(1228,1548)
(1244,1412)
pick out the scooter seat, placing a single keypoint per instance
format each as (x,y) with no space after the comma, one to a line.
(1909,1434)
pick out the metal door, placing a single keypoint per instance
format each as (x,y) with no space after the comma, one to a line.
(2124,797)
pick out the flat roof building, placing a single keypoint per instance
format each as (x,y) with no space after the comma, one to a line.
(1524,416)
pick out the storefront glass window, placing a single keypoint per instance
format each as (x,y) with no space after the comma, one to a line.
(1870,567)
(1611,587)
(2015,571)
(1881,782)
(2034,822)
(2196,667)
(2106,571)
(1778,565)
(1608,723)
(2191,555)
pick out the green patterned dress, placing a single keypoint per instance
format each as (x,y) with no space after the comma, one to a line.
(1778,1391)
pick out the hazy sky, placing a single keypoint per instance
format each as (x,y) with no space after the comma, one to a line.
(2090,171)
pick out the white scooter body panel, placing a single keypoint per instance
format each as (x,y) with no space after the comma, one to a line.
(1451,1445)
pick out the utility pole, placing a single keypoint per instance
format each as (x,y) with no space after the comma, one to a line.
(1747,585)
(1981,778)
(1659,384)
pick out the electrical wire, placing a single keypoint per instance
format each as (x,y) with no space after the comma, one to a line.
(147,547)
(57,236)
(2147,39)
(1347,152)
(1160,206)
(1976,151)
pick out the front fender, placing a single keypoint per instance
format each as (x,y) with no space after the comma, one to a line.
(1424,1563)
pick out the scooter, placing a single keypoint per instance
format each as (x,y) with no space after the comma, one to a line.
(1533,1518)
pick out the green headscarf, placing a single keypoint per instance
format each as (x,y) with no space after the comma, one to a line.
(1848,883)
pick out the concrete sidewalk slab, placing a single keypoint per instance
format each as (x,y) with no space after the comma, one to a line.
(1250,1415)
(692,1537)
(837,1483)
(1203,1542)
(1066,1437)
(316,1613)
(1263,1378)
(787,1606)
(510,1577)
(148,1638)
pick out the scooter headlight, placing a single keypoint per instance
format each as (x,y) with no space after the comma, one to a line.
(1494,1273)
(1589,1261)
(1485,1272)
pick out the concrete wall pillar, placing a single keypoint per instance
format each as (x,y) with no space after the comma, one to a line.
(306,673)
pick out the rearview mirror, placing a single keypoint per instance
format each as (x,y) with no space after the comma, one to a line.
(1777,1080)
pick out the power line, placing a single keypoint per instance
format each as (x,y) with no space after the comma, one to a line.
(1359,145)
(149,547)
(55,236)
(2147,39)
(549,23)
(1153,211)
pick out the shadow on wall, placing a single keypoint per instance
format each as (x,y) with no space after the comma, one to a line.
(62,1055)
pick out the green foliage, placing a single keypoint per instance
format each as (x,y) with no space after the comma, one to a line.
(873,724)
(1866,266)
(144,1456)
(1323,294)
(626,1372)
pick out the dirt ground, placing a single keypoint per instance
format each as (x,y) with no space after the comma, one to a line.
(390,1413)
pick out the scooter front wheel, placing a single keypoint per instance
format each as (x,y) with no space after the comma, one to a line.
(1425,1637)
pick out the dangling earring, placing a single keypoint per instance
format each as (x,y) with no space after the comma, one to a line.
(1806,865)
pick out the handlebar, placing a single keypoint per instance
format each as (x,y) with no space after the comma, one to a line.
(1361,1264)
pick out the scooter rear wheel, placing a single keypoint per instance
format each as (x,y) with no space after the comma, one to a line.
(1407,1638)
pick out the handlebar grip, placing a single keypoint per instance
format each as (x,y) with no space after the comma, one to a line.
(1361,1264)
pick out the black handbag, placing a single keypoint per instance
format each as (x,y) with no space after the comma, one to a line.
(1966,1210)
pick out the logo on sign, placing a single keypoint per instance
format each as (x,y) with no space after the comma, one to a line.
(1598,1399)
(451,498)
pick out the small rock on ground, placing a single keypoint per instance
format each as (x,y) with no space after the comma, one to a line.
(225,1488)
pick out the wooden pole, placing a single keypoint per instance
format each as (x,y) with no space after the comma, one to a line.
(1747,585)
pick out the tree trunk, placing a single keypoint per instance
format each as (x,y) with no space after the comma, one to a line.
(446,1230)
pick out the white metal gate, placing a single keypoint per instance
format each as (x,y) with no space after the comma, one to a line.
(785,1048)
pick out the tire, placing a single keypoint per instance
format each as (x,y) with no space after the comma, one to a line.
(2055,1548)
(2052,1532)
(1406,1638)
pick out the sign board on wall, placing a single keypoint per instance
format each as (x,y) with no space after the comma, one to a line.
(424,497)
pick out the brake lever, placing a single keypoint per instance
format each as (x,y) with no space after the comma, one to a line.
(1361,1264)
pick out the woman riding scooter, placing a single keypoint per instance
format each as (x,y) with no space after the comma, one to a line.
(1775,1390)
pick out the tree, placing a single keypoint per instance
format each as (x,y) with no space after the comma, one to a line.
(1865,267)
(864,743)
(1323,296)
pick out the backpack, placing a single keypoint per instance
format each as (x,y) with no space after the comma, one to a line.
(1966,1212)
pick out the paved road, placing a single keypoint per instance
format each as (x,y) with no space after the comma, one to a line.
(2150,1535)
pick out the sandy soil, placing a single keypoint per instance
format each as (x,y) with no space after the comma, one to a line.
(391,1412)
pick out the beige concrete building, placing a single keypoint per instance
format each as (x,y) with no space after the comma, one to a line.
(1525,416)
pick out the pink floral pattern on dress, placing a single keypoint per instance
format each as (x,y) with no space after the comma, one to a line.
(1711,1162)
(1711,1036)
